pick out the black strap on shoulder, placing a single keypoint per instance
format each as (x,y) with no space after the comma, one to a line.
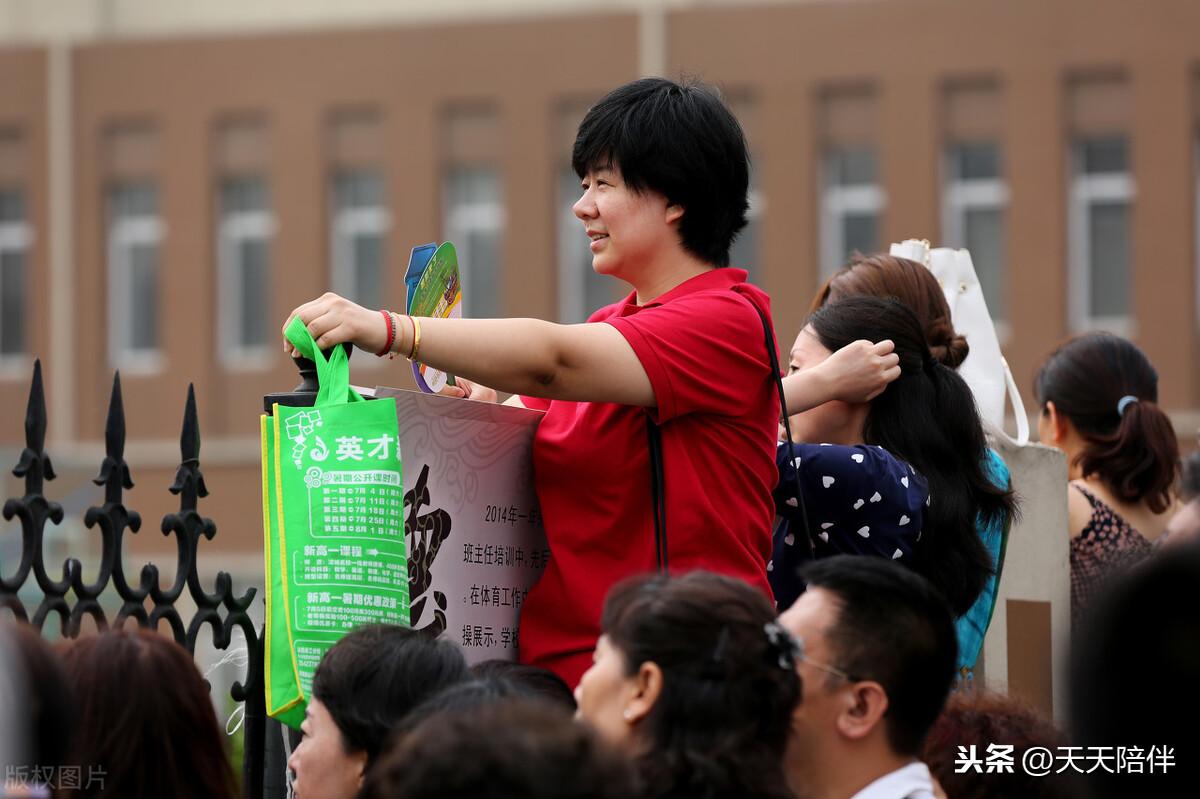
(657,482)
(787,426)
(657,493)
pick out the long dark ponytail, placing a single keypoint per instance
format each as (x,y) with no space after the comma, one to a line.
(1130,444)
(928,418)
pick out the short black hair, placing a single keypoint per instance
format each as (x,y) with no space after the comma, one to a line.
(371,678)
(505,750)
(679,140)
(892,627)
(532,681)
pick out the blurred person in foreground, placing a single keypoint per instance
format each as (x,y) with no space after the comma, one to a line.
(144,724)
(1135,665)
(877,659)
(37,711)
(1099,398)
(365,684)
(694,679)
(512,749)
(981,720)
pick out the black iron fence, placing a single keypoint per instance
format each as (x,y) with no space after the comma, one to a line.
(72,597)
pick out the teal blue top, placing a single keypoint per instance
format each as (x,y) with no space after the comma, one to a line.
(972,626)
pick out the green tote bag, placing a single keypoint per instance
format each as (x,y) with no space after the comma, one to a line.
(333,526)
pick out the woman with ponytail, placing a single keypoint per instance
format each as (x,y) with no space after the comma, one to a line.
(901,476)
(1099,398)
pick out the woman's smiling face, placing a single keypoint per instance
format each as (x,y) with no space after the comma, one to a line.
(627,228)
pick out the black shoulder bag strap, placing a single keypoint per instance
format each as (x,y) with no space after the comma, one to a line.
(654,439)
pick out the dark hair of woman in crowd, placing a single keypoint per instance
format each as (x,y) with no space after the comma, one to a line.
(44,706)
(1131,449)
(695,678)
(982,719)
(880,275)
(927,417)
(144,722)
(530,680)
(379,672)
(509,749)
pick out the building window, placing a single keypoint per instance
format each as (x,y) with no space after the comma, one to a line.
(1101,196)
(135,233)
(581,292)
(745,252)
(244,230)
(474,218)
(973,212)
(14,244)
(359,223)
(851,204)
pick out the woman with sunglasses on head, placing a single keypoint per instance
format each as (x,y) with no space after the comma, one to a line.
(694,679)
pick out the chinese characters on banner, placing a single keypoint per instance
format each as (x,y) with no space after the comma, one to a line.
(475,539)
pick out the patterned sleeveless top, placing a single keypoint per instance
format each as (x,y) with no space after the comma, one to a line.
(1107,546)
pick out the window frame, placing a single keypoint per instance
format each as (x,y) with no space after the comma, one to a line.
(462,219)
(16,236)
(345,225)
(962,195)
(1085,190)
(837,202)
(123,234)
(235,227)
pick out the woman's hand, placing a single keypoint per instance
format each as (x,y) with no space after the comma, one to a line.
(333,320)
(861,370)
(467,389)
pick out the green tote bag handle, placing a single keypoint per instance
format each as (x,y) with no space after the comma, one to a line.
(333,373)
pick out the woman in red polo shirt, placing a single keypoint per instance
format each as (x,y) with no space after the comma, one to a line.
(664,174)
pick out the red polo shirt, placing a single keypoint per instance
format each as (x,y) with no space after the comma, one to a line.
(703,348)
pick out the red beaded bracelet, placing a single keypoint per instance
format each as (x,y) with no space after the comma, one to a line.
(391,337)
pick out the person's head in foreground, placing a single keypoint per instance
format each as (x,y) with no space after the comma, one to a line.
(364,685)
(877,661)
(992,723)
(665,172)
(927,418)
(529,680)
(37,721)
(694,678)
(514,749)
(144,721)
(1135,665)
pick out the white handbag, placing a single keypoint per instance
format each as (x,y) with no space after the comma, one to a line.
(985,369)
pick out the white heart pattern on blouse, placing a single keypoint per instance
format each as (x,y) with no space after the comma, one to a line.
(789,539)
(857,457)
(823,536)
(896,554)
(826,525)
(865,531)
(904,481)
(903,520)
(793,502)
(827,481)
(859,504)
(876,497)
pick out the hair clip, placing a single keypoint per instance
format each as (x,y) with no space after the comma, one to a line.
(783,644)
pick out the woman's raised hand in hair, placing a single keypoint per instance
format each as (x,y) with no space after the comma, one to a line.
(861,370)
